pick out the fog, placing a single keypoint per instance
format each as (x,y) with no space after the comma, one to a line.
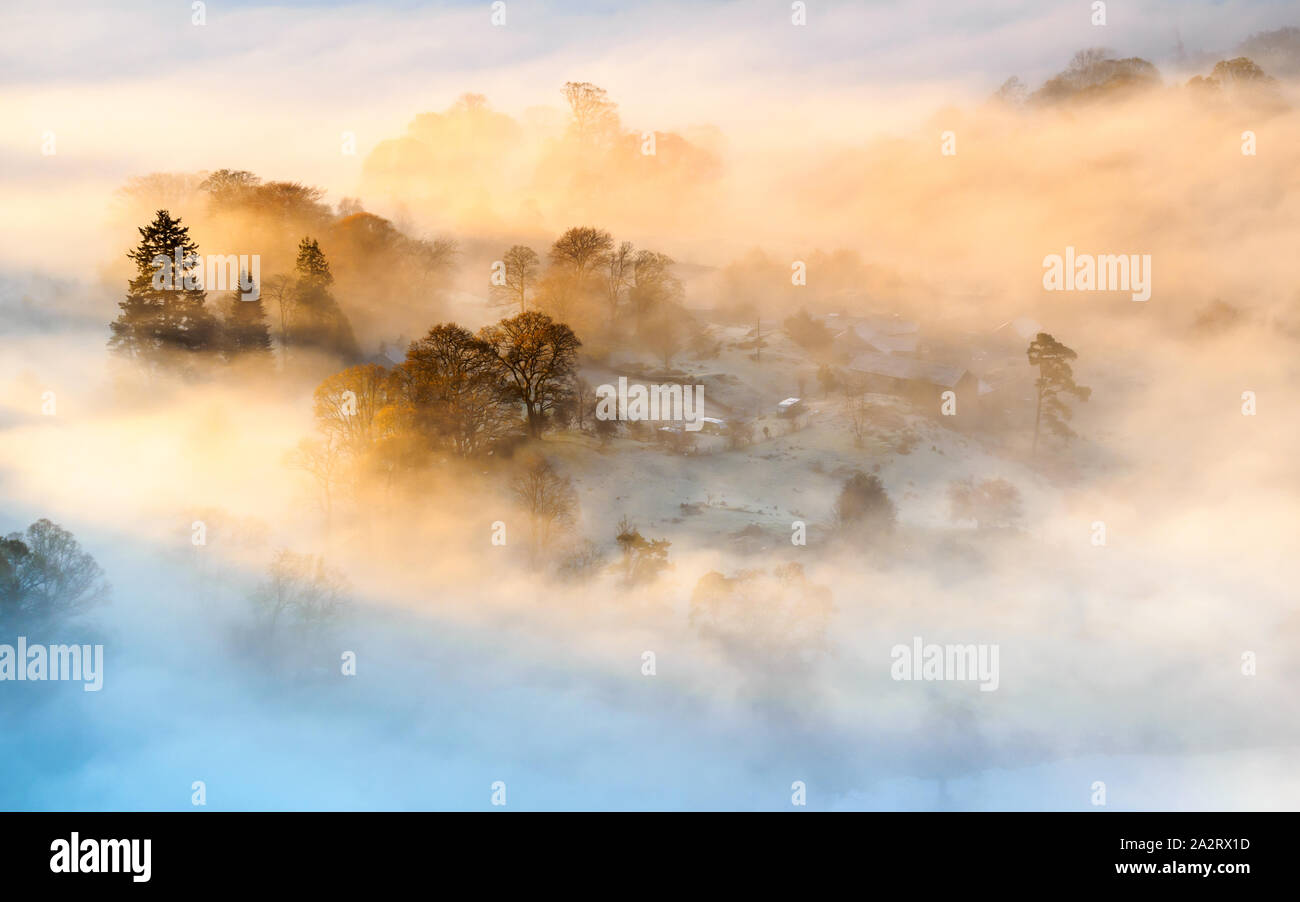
(1121,662)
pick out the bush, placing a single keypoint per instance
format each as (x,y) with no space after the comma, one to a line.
(864,503)
(807,332)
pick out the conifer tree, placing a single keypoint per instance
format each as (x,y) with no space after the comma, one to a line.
(245,333)
(318,321)
(163,322)
(1055,378)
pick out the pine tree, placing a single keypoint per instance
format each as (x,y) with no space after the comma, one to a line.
(318,320)
(163,321)
(245,333)
(1055,378)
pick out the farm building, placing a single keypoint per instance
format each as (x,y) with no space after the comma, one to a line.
(920,381)
(878,334)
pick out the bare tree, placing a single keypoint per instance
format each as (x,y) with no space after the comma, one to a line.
(521,267)
(653,284)
(580,249)
(549,501)
(346,404)
(45,573)
(278,290)
(665,332)
(323,460)
(616,272)
(300,590)
(859,409)
(593,116)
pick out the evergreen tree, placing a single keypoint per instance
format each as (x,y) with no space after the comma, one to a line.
(163,321)
(318,320)
(245,333)
(1055,378)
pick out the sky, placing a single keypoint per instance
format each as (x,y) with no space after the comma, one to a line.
(129,88)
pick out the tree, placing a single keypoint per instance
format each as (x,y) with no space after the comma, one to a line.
(665,332)
(13,588)
(521,266)
(807,332)
(859,416)
(549,501)
(580,249)
(45,574)
(322,459)
(616,274)
(346,404)
(279,290)
(318,322)
(828,378)
(163,320)
(537,357)
(1277,51)
(244,331)
(1241,70)
(1013,92)
(593,116)
(993,502)
(300,590)
(1055,378)
(863,503)
(1095,72)
(226,186)
(643,559)
(653,284)
(453,384)
(1240,79)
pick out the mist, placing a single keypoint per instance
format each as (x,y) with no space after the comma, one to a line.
(465,584)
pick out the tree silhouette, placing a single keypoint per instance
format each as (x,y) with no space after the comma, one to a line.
(454,387)
(521,266)
(301,591)
(537,356)
(45,574)
(318,322)
(580,249)
(593,116)
(548,500)
(652,285)
(1055,378)
(863,502)
(616,274)
(163,319)
(244,332)
(347,403)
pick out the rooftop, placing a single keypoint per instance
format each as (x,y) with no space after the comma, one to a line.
(909,369)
